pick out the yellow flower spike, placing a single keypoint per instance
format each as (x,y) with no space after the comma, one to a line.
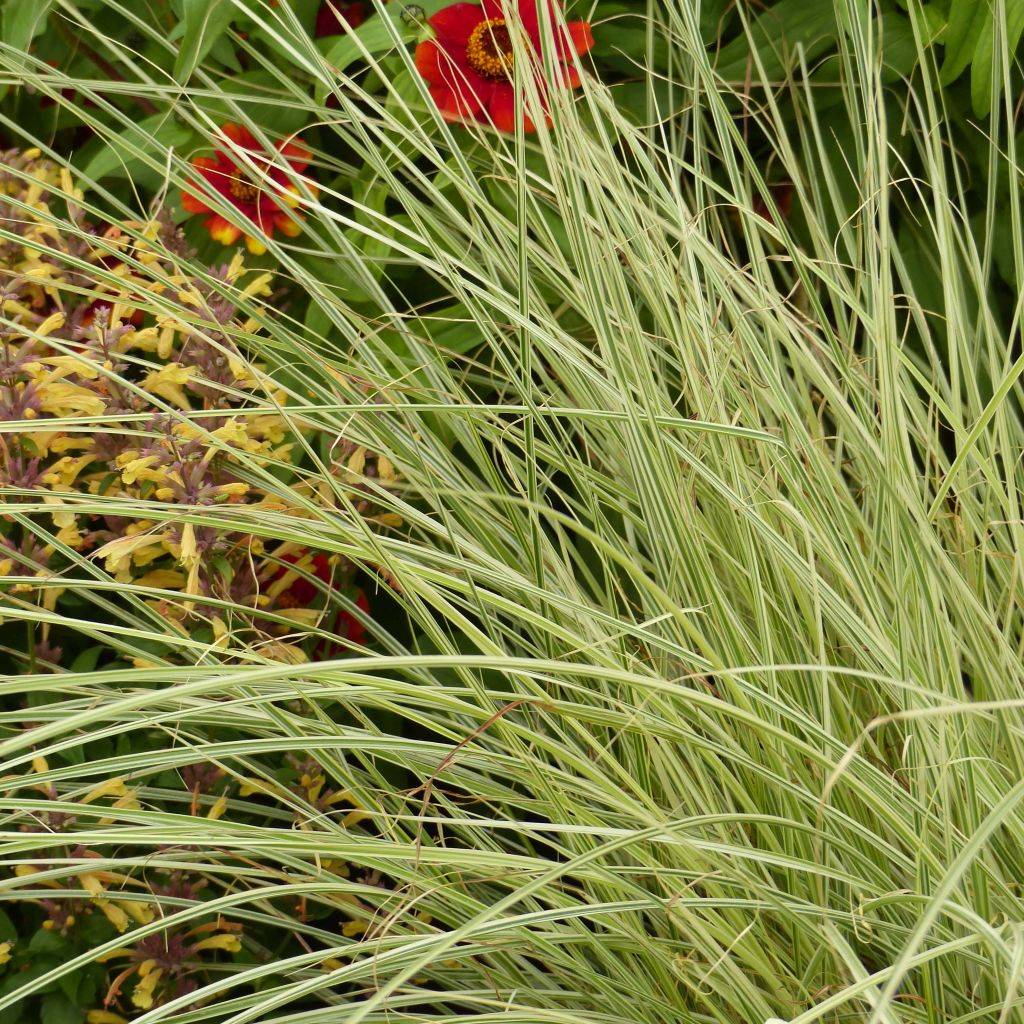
(147,339)
(112,787)
(188,550)
(61,444)
(40,764)
(139,469)
(120,553)
(227,943)
(167,383)
(260,285)
(354,817)
(68,186)
(162,579)
(5,952)
(352,929)
(114,914)
(142,994)
(357,463)
(70,536)
(54,322)
(216,812)
(259,787)
(165,345)
(63,399)
(65,470)
(104,1017)
(6,565)
(236,267)
(142,912)
(92,884)
(114,954)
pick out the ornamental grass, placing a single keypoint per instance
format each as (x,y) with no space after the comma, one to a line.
(511,522)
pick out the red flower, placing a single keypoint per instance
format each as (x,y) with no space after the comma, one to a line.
(302,592)
(262,201)
(469,65)
(328,22)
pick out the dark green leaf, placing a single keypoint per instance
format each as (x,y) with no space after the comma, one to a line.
(967,21)
(23,20)
(120,158)
(204,21)
(58,1009)
(982,68)
(775,35)
(47,941)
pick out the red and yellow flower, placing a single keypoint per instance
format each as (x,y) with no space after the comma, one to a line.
(470,64)
(266,197)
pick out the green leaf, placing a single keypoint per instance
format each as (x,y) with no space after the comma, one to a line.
(47,941)
(204,21)
(86,661)
(150,135)
(58,1009)
(22,21)
(375,36)
(967,21)
(899,51)
(982,68)
(776,34)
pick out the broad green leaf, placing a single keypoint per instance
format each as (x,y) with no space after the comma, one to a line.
(22,21)
(967,22)
(982,68)
(150,135)
(775,35)
(204,21)
(58,1009)
(899,51)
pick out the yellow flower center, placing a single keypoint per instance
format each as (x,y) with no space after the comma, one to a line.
(243,189)
(489,50)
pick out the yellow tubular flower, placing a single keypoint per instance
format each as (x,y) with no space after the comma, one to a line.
(167,382)
(227,943)
(104,1017)
(149,978)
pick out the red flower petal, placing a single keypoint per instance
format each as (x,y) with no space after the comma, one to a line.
(457,21)
(428,57)
(297,155)
(531,17)
(240,136)
(445,64)
(580,36)
(502,110)
(190,202)
(455,105)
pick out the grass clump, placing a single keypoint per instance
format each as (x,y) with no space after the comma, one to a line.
(691,688)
